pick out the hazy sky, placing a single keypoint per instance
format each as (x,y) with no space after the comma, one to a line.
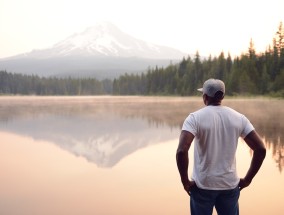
(204,25)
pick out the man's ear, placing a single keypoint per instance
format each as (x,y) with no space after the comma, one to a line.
(205,97)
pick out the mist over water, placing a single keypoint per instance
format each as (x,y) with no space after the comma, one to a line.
(77,155)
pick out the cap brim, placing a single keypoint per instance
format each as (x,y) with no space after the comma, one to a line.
(200,90)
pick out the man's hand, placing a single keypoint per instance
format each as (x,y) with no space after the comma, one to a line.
(243,183)
(188,185)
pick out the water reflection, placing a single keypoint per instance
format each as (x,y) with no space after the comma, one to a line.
(106,129)
(267,116)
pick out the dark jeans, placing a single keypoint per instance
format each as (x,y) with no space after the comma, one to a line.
(203,201)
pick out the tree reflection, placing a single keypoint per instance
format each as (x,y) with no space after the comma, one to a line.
(277,149)
(267,115)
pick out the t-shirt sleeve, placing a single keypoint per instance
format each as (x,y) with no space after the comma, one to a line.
(189,124)
(247,127)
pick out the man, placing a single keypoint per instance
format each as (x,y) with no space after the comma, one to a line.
(216,130)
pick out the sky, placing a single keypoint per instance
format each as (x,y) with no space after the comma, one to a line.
(206,26)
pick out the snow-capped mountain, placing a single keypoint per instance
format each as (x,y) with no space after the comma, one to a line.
(105,39)
(100,51)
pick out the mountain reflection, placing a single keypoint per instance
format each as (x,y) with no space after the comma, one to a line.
(106,129)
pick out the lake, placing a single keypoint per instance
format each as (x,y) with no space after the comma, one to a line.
(109,155)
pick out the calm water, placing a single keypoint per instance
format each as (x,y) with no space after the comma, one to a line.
(116,155)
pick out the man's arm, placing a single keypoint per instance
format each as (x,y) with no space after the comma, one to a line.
(256,144)
(185,141)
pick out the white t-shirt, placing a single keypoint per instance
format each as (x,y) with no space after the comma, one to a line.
(216,130)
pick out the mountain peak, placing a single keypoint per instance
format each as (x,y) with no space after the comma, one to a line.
(101,51)
(106,40)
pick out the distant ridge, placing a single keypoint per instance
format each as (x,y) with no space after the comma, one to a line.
(101,51)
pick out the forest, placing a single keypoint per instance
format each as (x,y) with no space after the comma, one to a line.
(250,73)
(19,84)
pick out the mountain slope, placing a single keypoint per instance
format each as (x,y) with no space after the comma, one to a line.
(99,50)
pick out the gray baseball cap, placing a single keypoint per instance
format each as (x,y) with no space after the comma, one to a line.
(212,86)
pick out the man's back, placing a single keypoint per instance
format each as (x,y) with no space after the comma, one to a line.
(216,130)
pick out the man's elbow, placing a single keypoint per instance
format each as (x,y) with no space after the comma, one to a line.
(181,152)
(261,152)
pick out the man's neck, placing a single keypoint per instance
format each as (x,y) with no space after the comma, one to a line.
(214,103)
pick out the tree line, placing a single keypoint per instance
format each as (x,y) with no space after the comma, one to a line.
(249,74)
(11,83)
